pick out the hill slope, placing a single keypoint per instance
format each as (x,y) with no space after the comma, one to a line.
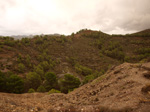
(86,54)
(123,88)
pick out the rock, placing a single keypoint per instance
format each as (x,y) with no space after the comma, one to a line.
(146,74)
(146,66)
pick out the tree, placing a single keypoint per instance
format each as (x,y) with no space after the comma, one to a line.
(41,89)
(33,80)
(14,84)
(25,41)
(2,82)
(28,61)
(69,83)
(39,70)
(45,65)
(51,80)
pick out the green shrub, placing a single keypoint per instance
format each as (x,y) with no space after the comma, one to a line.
(54,91)
(142,53)
(114,50)
(88,78)
(2,82)
(9,48)
(15,84)
(1,46)
(1,43)
(69,83)
(9,43)
(143,50)
(39,70)
(21,67)
(25,41)
(127,59)
(33,80)
(1,50)
(11,83)
(72,60)
(31,90)
(41,89)
(45,65)
(39,41)
(28,61)
(19,58)
(83,70)
(40,57)
(99,43)
(72,34)
(51,80)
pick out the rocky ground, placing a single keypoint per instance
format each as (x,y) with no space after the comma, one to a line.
(125,88)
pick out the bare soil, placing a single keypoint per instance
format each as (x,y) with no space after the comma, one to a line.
(124,88)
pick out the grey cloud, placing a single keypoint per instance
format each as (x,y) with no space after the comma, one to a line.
(65,16)
(127,15)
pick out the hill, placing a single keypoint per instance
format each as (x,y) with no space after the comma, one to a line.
(147,31)
(124,88)
(85,55)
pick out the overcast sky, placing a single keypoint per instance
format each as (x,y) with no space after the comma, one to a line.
(19,17)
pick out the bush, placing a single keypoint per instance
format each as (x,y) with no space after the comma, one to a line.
(25,41)
(21,67)
(99,43)
(69,83)
(83,70)
(2,82)
(28,61)
(127,59)
(143,53)
(54,91)
(114,50)
(40,57)
(9,48)
(19,58)
(9,43)
(41,89)
(11,83)
(51,80)
(31,90)
(45,65)
(39,41)
(39,70)
(15,84)
(88,78)
(72,60)
(1,50)
(33,80)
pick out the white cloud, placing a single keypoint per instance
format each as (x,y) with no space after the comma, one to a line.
(66,16)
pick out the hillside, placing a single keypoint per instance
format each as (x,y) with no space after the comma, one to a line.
(124,88)
(85,55)
(144,33)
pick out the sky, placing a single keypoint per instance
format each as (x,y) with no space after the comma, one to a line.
(25,17)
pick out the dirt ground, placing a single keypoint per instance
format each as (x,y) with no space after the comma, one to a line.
(124,88)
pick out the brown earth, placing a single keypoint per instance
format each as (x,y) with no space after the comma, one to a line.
(124,88)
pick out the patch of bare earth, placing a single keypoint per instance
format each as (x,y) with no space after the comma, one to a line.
(125,88)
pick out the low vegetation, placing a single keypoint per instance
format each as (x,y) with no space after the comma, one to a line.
(58,62)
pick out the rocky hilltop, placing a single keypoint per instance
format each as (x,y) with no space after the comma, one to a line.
(124,88)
